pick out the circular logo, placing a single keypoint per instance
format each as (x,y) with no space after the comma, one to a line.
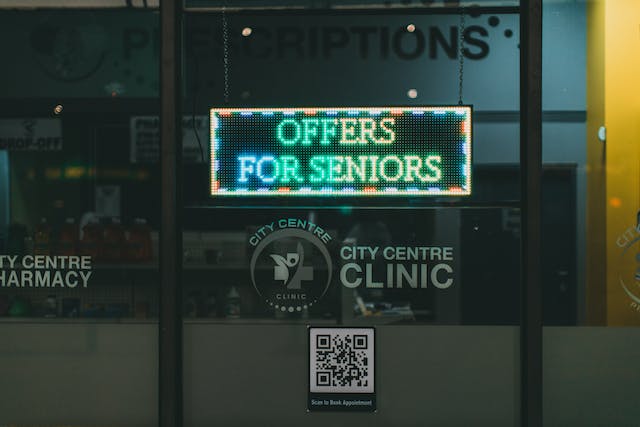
(69,52)
(630,270)
(291,269)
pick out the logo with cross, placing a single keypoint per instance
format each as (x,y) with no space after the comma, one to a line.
(293,262)
(291,269)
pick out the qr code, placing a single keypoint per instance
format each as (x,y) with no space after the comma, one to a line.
(341,360)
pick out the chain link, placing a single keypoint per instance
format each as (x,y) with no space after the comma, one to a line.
(461,56)
(225,41)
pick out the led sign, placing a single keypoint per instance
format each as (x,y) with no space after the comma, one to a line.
(385,151)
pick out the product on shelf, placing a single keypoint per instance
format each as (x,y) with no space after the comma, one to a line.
(114,241)
(115,310)
(191,305)
(232,306)
(92,239)
(210,309)
(70,307)
(141,310)
(93,309)
(19,307)
(16,238)
(50,306)
(42,238)
(139,247)
(68,238)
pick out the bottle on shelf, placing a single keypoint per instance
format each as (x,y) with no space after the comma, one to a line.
(114,241)
(210,308)
(20,307)
(70,307)
(92,239)
(42,238)
(68,238)
(232,304)
(51,306)
(139,241)
(191,305)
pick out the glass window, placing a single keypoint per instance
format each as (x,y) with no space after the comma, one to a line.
(437,276)
(79,223)
(590,213)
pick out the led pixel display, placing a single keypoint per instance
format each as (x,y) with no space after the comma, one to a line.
(380,151)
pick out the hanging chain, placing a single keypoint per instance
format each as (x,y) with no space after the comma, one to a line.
(461,56)
(225,41)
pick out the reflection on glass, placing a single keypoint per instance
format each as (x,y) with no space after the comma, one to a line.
(449,266)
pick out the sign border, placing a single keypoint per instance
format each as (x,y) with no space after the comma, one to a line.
(434,192)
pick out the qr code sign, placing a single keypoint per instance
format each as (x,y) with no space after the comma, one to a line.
(341,360)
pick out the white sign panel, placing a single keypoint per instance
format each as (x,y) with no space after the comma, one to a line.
(145,139)
(30,134)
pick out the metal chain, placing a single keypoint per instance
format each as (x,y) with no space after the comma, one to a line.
(461,56)
(225,41)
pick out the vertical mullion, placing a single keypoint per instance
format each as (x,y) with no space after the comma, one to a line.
(531,173)
(170,331)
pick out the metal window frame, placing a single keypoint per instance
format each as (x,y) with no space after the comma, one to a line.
(531,204)
(170,396)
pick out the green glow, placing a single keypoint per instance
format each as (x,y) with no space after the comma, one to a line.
(352,130)
(399,168)
(387,127)
(367,130)
(310,131)
(360,170)
(335,168)
(318,151)
(329,130)
(367,169)
(317,165)
(246,167)
(349,135)
(414,163)
(374,168)
(280,132)
(433,163)
(260,170)
(290,169)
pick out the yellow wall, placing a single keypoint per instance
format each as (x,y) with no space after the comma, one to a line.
(622,119)
(596,251)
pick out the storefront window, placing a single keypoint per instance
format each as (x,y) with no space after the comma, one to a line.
(353,224)
(79,224)
(326,187)
(590,293)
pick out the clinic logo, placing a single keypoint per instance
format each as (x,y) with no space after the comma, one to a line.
(283,266)
(291,268)
(629,274)
(69,52)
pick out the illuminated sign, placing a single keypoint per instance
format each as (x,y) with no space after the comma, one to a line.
(385,151)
